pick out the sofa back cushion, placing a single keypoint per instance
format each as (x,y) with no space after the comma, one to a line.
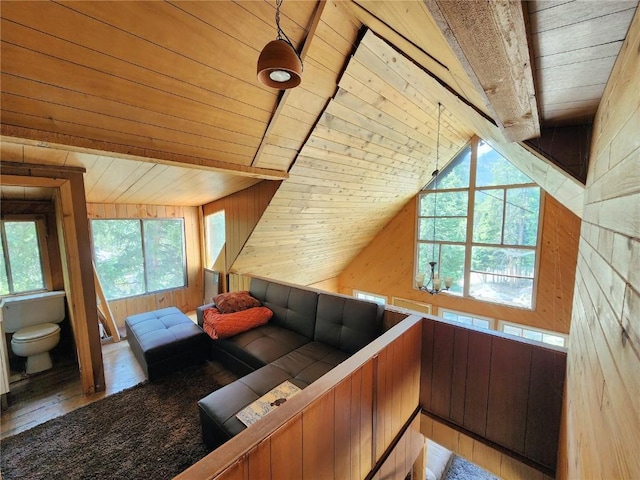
(293,308)
(346,323)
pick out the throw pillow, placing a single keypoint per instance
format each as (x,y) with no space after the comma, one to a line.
(235,302)
(223,325)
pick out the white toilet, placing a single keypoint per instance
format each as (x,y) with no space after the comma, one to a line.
(33,321)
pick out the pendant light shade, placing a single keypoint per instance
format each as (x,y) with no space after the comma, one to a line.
(279,65)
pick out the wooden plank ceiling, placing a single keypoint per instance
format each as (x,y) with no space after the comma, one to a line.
(575,45)
(372,150)
(159,102)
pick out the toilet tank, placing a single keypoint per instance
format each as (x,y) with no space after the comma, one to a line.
(33,309)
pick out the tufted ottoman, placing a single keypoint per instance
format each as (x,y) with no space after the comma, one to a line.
(165,340)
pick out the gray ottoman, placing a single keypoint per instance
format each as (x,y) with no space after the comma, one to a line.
(165,340)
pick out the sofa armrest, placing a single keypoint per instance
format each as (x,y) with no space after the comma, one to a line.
(200,312)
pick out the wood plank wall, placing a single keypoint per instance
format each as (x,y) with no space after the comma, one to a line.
(341,426)
(386,267)
(478,452)
(242,213)
(601,424)
(186,299)
(505,390)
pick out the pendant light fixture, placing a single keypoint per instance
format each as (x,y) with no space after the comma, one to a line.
(279,65)
(434,283)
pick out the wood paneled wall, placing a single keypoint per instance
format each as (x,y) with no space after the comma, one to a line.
(386,267)
(186,299)
(242,212)
(341,426)
(601,425)
(507,391)
(478,452)
(67,185)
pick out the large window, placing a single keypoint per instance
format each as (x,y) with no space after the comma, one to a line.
(21,261)
(137,256)
(478,219)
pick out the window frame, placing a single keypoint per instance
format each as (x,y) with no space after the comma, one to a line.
(468,243)
(41,233)
(492,321)
(362,295)
(141,222)
(503,323)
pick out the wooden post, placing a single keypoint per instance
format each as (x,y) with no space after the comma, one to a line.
(111,326)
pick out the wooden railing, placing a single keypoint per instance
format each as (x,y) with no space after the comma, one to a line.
(498,388)
(344,425)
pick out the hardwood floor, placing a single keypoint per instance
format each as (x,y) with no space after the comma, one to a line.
(35,400)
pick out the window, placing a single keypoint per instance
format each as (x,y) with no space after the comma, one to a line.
(372,297)
(466,319)
(481,227)
(21,261)
(532,333)
(137,256)
(215,236)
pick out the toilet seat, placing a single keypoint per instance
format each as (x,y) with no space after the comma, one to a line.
(35,333)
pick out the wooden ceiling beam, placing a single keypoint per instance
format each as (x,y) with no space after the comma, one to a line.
(490,39)
(28,136)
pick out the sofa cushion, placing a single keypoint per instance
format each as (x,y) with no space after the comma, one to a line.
(261,345)
(232,302)
(308,363)
(223,325)
(293,308)
(346,323)
(218,409)
(301,367)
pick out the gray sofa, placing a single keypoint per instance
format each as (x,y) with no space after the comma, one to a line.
(308,335)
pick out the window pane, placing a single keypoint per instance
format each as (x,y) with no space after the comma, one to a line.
(456,173)
(478,322)
(453,266)
(216,235)
(4,283)
(532,334)
(521,220)
(427,252)
(500,289)
(118,254)
(450,316)
(494,169)
(164,254)
(553,340)
(444,204)
(487,217)
(503,261)
(512,330)
(446,229)
(24,256)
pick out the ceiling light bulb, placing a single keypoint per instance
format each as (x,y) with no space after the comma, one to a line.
(279,76)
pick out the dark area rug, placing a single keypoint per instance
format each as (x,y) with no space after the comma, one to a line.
(461,469)
(150,431)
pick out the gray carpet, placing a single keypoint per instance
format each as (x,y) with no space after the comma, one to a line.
(461,469)
(149,431)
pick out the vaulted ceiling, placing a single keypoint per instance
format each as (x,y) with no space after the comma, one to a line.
(159,102)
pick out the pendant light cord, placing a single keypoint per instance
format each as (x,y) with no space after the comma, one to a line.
(435,173)
(283,36)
